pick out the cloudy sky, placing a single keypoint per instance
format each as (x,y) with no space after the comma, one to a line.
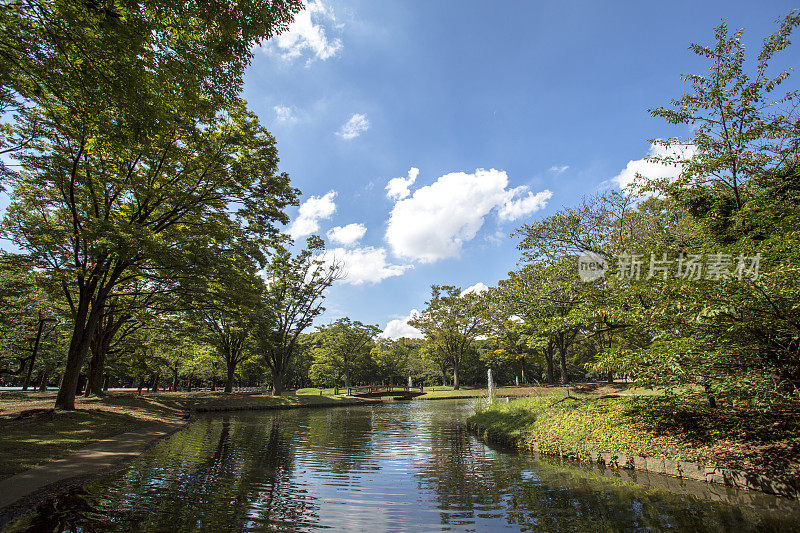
(423,133)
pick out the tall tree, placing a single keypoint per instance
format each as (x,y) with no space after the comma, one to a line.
(134,146)
(454,320)
(344,346)
(292,300)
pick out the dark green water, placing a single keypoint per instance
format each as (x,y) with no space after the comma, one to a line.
(395,467)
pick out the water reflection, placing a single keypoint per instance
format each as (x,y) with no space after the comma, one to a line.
(397,467)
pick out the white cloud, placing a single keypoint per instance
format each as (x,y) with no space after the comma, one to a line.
(438,219)
(478,288)
(399,328)
(559,169)
(398,188)
(364,265)
(514,209)
(307,34)
(652,169)
(348,234)
(284,114)
(311,212)
(354,127)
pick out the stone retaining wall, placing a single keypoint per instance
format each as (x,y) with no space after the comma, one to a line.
(660,465)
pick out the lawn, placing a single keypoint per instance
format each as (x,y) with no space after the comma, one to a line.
(33,433)
(757,440)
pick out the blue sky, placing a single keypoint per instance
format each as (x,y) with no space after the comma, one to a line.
(483,116)
(549,98)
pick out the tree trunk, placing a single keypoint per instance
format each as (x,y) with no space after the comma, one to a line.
(277,383)
(35,351)
(154,383)
(548,357)
(106,381)
(174,387)
(456,364)
(43,381)
(611,376)
(231,376)
(96,369)
(86,318)
(563,363)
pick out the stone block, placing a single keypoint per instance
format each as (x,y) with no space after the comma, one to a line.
(734,478)
(620,460)
(691,470)
(655,464)
(714,475)
(639,463)
(671,468)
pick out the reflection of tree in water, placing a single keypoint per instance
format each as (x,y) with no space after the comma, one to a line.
(459,474)
(218,475)
(569,496)
(470,483)
(341,439)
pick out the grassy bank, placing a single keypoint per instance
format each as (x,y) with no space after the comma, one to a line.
(763,441)
(33,433)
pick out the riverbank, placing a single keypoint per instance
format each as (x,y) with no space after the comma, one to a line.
(34,434)
(750,448)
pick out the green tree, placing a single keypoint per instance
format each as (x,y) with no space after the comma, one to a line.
(30,319)
(292,300)
(453,320)
(134,147)
(391,359)
(343,348)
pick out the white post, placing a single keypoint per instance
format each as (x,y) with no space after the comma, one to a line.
(491,385)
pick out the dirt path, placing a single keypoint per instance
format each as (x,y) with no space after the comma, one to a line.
(22,490)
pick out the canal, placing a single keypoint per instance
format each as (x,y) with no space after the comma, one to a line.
(406,466)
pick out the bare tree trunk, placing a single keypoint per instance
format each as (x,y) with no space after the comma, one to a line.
(34,353)
(43,381)
(277,383)
(231,376)
(548,356)
(563,363)
(456,364)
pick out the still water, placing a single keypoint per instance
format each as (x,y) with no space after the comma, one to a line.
(408,466)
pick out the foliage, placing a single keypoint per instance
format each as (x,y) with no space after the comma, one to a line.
(452,320)
(136,155)
(292,300)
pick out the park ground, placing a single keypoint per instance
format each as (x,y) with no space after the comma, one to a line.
(34,434)
(615,419)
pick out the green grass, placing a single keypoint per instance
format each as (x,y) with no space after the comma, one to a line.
(30,441)
(314,391)
(33,434)
(758,440)
(557,424)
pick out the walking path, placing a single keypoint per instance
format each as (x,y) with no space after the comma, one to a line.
(89,461)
